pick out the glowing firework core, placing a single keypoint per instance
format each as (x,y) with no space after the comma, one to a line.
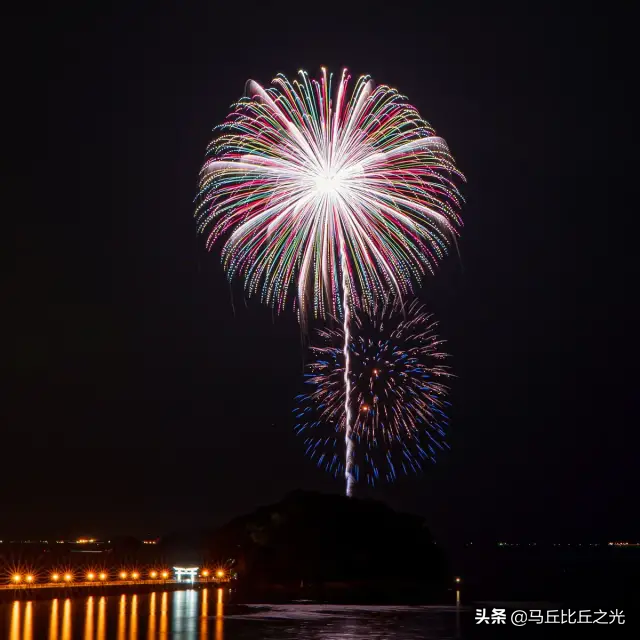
(328,184)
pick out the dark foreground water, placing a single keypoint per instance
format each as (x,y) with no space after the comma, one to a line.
(211,613)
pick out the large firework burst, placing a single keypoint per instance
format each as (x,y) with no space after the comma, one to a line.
(397,376)
(303,180)
(342,197)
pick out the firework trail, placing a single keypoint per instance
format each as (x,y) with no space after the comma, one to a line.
(337,196)
(396,389)
(348,470)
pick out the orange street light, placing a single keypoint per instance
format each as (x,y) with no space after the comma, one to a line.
(153,574)
(205,573)
(135,575)
(220,573)
(165,574)
(29,578)
(123,575)
(91,575)
(17,577)
(68,577)
(55,577)
(103,576)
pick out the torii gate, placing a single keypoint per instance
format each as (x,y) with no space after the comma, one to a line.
(189,573)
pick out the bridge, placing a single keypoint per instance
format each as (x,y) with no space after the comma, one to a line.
(187,576)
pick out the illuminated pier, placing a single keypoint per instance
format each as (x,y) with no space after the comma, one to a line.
(187,576)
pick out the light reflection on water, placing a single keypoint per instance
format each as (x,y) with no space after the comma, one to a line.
(53,620)
(151,629)
(102,618)
(14,630)
(193,614)
(66,620)
(88,625)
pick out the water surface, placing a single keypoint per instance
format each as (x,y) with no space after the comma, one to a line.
(209,613)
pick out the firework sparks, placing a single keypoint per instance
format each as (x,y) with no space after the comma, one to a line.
(397,394)
(337,196)
(299,169)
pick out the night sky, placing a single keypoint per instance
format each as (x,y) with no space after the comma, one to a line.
(139,399)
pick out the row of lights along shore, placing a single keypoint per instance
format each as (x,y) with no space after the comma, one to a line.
(91,576)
